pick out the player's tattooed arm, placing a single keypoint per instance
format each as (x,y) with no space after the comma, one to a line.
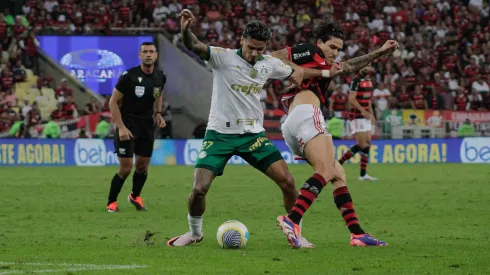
(193,44)
(355,64)
(189,39)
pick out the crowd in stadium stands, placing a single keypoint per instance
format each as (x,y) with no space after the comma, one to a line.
(443,62)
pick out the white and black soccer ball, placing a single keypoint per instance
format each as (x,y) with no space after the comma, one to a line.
(232,234)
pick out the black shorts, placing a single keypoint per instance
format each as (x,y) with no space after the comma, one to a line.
(128,148)
(141,144)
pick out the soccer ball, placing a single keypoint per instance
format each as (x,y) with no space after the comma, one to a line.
(232,234)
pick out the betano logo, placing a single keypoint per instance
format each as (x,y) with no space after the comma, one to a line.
(475,150)
(93,152)
(93,65)
(247,89)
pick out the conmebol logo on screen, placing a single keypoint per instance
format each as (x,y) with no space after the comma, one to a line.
(475,150)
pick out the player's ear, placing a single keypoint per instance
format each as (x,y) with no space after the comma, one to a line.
(241,41)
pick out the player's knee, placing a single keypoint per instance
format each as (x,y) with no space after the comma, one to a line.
(328,173)
(142,168)
(286,183)
(124,171)
(200,190)
(365,147)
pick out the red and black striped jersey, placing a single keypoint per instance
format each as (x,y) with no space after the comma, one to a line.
(419,101)
(339,100)
(363,87)
(307,55)
(461,101)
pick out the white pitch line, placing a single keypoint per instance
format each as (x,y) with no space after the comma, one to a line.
(74,267)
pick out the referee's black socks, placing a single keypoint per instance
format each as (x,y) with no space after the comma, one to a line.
(116,185)
(139,179)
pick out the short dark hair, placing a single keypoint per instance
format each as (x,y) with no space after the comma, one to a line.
(328,29)
(149,43)
(257,30)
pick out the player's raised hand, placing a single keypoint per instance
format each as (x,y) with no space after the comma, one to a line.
(335,69)
(390,46)
(160,122)
(125,134)
(186,19)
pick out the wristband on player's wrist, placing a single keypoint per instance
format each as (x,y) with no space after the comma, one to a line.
(158,113)
(326,73)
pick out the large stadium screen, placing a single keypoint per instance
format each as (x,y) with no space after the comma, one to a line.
(97,61)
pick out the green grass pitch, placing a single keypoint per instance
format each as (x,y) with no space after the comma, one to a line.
(53,220)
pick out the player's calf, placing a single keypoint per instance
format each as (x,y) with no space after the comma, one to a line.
(349,154)
(117,183)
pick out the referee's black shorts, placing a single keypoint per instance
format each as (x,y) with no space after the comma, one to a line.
(141,145)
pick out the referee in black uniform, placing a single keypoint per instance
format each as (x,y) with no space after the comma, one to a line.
(135,106)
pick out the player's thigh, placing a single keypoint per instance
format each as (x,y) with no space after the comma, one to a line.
(306,122)
(259,151)
(290,139)
(321,155)
(215,152)
(363,138)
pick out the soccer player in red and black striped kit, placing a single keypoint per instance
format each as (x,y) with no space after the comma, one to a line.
(305,130)
(361,118)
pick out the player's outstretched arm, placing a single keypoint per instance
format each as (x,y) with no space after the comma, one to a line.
(355,64)
(190,40)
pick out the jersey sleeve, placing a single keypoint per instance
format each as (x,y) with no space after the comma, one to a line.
(354,84)
(281,71)
(217,56)
(124,83)
(306,53)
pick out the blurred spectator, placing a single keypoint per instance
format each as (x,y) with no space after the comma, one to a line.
(19,72)
(480,86)
(51,130)
(381,97)
(10,99)
(335,127)
(70,108)
(338,101)
(92,107)
(33,117)
(59,113)
(475,101)
(418,100)
(103,128)
(466,129)
(63,91)
(461,101)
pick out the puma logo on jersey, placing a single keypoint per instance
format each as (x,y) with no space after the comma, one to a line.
(300,55)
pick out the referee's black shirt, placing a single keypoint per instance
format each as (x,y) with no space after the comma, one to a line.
(140,91)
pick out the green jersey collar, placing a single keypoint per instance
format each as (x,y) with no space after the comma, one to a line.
(239,53)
